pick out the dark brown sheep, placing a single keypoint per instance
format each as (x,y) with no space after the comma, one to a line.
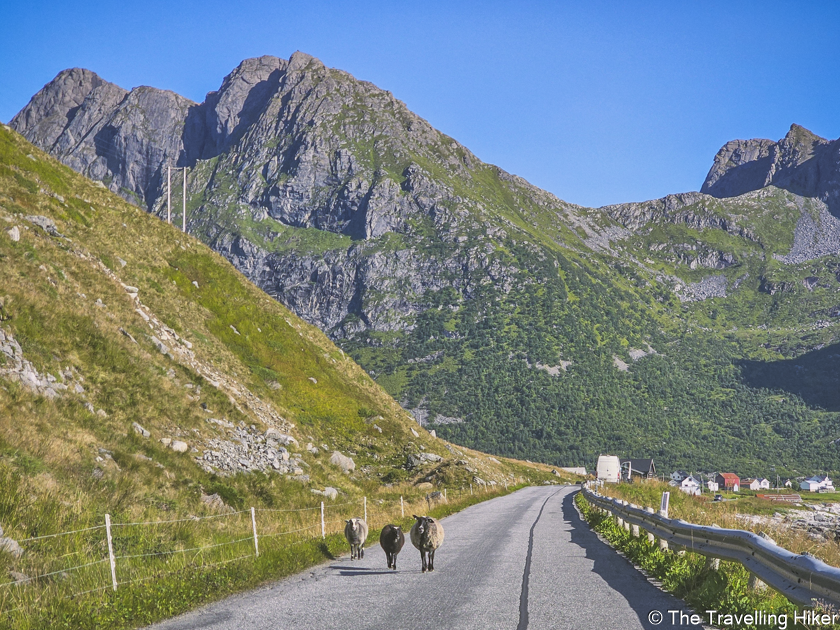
(392,540)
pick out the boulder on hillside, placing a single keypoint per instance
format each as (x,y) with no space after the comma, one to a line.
(413,461)
(140,430)
(278,436)
(11,546)
(346,464)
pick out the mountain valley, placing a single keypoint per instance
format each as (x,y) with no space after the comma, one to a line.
(698,329)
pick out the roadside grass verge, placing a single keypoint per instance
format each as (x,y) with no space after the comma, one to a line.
(165,569)
(747,512)
(725,590)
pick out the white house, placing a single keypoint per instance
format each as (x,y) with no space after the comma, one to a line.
(712,486)
(679,475)
(689,485)
(818,483)
(751,484)
(763,484)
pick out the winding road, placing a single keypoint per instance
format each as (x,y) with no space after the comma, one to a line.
(525,560)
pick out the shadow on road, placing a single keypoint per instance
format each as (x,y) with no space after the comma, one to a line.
(617,572)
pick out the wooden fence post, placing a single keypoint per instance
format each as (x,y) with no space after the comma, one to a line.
(254,525)
(111,551)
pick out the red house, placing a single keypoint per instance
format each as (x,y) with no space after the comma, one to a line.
(728,481)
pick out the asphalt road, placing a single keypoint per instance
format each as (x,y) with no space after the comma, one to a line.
(525,560)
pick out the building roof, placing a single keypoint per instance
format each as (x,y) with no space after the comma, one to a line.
(730,477)
(640,465)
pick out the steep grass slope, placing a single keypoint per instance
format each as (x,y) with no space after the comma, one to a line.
(141,375)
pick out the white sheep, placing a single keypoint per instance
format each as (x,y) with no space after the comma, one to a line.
(426,535)
(356,531)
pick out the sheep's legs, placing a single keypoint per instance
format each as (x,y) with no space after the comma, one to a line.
(361,551)
(423,560)
(432,560)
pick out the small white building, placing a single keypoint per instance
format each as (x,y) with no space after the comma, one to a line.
(689,485)
(679,475)
(712,486)
(763,484)
(817,483)
(750,484)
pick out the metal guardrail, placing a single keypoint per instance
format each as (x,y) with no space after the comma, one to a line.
(800,578)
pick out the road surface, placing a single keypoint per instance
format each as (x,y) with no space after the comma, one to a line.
(525,560)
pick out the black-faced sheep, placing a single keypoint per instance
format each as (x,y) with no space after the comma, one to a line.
(427,535)
(356,531)
(392,540)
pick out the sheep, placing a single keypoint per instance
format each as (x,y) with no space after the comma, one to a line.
(392,540)
(426,535)
(356,531)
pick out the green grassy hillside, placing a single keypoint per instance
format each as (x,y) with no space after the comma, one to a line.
(115,323)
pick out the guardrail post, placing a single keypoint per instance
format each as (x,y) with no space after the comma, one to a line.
(365,501)
(712,564)
(323,530)
(111,558)
(651,538)
(402,507)
(470,489)
(444,494)
(663,544)
(634,531)
(254,525)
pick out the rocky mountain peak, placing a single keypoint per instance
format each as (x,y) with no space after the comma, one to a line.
(801,162)
(240,98)
(55,106)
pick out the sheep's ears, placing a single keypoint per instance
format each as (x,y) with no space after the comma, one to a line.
(348,520)
(417,517)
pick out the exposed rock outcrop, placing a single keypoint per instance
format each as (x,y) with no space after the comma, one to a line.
(801,162)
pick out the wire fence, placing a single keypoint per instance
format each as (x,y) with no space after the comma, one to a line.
(111,556)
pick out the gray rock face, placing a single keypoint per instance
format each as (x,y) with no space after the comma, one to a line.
(140,430)
(11,546)
(299,144)
(801,162)
(346,464)
(694,210)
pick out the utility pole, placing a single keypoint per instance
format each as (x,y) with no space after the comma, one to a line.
(169,193)
(184,217)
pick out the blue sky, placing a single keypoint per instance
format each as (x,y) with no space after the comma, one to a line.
(597,102)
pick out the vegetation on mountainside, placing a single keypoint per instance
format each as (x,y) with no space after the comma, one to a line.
(680,329)
(69,302)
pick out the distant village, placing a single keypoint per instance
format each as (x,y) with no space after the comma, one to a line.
(612,469)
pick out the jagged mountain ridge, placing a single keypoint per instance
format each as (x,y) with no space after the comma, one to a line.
(458,286)
(801,162)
